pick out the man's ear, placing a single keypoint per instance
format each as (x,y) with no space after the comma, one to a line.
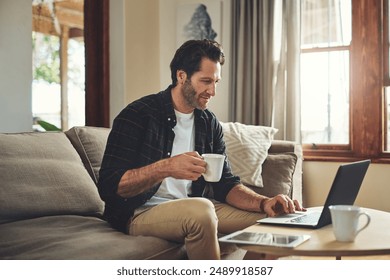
(181,76)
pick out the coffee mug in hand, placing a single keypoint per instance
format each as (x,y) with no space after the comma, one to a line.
(214,167)
(345,220)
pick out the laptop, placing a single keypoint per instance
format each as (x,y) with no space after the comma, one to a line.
(344,190)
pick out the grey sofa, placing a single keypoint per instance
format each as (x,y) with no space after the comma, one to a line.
(50,207)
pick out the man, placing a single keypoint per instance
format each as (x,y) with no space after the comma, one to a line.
(151,174)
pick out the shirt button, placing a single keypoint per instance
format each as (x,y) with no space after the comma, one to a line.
(169,119)
(168,154)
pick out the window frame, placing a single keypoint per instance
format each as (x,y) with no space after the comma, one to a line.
(97,63)
(386,66)
(367,97)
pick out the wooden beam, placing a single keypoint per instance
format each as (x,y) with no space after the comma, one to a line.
(69,14)
(64,78)
(70,18)
(76,33)
(43,25)
(77,5)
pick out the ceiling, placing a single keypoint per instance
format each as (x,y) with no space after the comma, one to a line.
(57,16)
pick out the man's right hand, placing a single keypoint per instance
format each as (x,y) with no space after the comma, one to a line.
(188,166)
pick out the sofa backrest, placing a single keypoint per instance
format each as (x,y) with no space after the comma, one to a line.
(281,171)
(54,173)
(42,174)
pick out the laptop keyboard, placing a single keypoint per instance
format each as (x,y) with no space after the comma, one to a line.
(309,218)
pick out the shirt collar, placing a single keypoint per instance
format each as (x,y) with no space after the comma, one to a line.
(166,96)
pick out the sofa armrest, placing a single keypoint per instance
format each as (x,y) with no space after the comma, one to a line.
(283,146)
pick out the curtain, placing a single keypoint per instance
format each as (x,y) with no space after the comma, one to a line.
(265,65)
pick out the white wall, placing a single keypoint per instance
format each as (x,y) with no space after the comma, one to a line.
(117,58)
(134,52)
(145,40)
(374,192)
(15,66)
(168,18)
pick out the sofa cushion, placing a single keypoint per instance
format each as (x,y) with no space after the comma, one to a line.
(71,237)
(278,171)
(90,143)
(41,174)
(247,148)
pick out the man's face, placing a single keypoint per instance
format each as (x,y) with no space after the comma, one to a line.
(198,90)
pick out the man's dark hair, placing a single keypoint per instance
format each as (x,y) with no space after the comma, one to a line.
(191,53)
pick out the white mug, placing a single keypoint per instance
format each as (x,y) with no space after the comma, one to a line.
(214,167)
(345,220)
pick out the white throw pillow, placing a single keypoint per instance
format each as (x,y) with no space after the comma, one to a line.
(247,148)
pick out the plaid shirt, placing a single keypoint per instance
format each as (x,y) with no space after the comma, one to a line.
(143,134)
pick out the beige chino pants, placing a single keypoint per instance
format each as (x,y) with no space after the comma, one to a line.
(193,221)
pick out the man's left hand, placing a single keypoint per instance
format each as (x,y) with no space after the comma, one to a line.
(281,204)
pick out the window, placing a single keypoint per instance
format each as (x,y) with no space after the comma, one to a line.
(325,52)
(58,90)
(48,99)
(46,89)
(344,109)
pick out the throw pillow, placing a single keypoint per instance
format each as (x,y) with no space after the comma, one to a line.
(247,148)
(90,143)
(278,171)
(41,174)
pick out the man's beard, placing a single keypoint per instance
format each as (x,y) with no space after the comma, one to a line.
(190,96)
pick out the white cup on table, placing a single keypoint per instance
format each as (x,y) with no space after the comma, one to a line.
(345,221)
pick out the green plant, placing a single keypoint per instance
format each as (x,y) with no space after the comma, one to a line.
(48,126)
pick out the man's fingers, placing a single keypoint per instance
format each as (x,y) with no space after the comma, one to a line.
(298,206)
(282,204)
(194,154)
(286,204)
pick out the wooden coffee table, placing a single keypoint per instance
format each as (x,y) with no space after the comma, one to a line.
(374,240)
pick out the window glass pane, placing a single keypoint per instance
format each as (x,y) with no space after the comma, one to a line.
(325,23)
(325,97)
(46,86)
(46,89)
(76,83)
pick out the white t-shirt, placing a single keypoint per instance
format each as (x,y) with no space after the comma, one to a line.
(183,142)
